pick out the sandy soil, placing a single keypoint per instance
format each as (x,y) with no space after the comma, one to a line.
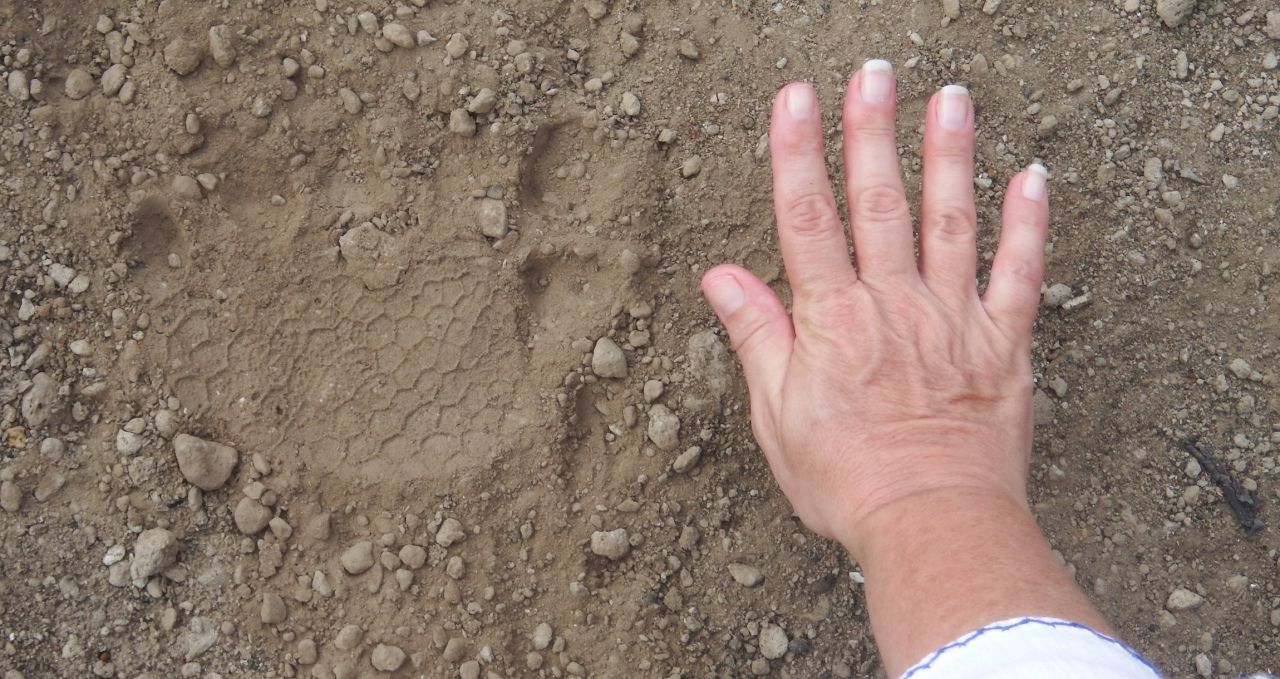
(426,272)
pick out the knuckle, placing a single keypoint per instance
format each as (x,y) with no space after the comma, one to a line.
(878,204)
(953,152)
(752,332)
(810,213)
(870,130)
(955,223)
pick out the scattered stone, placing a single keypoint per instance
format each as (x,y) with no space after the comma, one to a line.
(201,634)
(204,464)
(542,636)
(113,79)
(773,641)
(186,188)
(469,670)
(461,123)
(493,218)
(251,517)
(358,558)
(308,654)
(457,46)
(1174,12)
(274,611)
(41,402)
(1240,368)
(951,9)
(183,56)
(1272,28)
(691,167)
(1183,599)
(1056,295)
(710,363)
(222,46)
(746,575)
(398,35)
(351,102)
(153,552)
(79,84)
(413,556)
(387,658)
(484,102)
(607,359)
(689,50)
(612,544)
(451,531)
(687,460)
(653,390)
(19,86)
(348,637)
(50,483)
(10,496)
(630,105)
(454,649)
(664,427)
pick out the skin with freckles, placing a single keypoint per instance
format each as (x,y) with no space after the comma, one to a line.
(893,402)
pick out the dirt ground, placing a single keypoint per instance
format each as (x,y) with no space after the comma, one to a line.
(365,253)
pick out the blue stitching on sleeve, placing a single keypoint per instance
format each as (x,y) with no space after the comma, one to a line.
(1027,621)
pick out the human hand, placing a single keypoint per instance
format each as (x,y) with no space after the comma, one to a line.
(895,384)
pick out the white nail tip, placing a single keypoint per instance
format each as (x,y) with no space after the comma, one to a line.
(1039,169)
(877,65)
(950,90)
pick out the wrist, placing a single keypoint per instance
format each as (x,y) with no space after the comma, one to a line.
(890,529)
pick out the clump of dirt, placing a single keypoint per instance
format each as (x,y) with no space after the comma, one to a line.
(355,340)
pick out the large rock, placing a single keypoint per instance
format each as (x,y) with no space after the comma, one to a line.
(204,464)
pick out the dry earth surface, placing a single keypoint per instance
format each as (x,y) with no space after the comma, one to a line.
(362,338)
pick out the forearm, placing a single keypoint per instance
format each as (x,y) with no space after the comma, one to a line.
(941,565)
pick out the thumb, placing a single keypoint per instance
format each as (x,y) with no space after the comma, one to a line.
(758,324)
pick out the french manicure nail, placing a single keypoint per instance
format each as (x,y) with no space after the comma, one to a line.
(725,295)
(802,101)
(1035,183)
(877,81)
(953,107)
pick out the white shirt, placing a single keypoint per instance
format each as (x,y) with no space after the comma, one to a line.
(1034,648)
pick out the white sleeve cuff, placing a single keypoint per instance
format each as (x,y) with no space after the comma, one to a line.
(1034,648)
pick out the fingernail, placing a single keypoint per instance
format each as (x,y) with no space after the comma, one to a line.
(953,107)
(802,101)
(725,295)
(1035,183)
(877,81)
